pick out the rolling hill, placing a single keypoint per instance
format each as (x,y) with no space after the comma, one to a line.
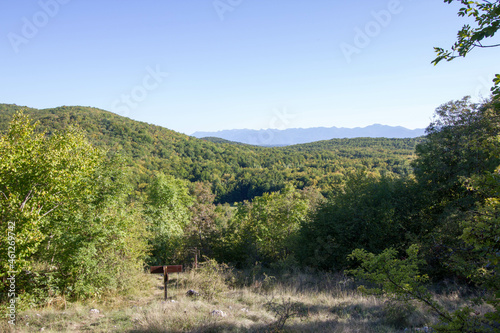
(237,172)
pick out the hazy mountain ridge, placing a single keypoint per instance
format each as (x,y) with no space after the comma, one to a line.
(292,136)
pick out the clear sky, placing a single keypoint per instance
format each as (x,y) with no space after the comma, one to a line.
(205,65)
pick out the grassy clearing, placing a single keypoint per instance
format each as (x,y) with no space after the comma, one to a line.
(241,302)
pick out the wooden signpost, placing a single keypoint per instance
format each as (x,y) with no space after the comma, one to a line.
(165,270)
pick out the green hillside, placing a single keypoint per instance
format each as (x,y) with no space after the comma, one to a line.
(237,172)
(220,140)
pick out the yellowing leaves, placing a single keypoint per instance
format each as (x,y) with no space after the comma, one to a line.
(37,175)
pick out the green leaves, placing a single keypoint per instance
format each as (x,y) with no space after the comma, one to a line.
(273,221)
(486,15)
(458,145)
(370,213)
(458,167)
(236,172)
(67,209)
(98,244)
(167,213)
(38,175)
(398,278)
(495,90)
(266,229)
(481,230)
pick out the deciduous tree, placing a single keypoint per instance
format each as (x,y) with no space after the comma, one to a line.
(167,213)
(486,14)
(38,176)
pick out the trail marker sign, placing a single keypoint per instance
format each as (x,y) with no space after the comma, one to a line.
(165,270)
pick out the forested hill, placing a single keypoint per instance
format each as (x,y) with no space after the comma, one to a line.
(219,140)
(236,171)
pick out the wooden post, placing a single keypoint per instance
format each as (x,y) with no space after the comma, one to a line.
(165,281)
(196,258)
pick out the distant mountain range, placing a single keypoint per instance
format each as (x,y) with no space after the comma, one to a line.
(292,136)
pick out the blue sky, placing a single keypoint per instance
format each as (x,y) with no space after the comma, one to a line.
(205,65)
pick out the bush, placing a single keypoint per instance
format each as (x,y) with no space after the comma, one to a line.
(210,279)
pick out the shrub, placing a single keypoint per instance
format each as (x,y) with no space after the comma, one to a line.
(210,279)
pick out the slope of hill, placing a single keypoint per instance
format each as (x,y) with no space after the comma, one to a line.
(219,140)
(292,136)
(237,172)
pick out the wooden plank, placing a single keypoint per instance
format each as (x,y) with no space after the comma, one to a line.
(157,269)
(169,269)
(174,268)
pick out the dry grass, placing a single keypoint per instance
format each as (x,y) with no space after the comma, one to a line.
(301,302)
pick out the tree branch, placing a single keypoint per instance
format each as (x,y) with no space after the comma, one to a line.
(41,217)
(420,298)
(486,46)
(26,199)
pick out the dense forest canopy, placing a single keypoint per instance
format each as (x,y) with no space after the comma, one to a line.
(86,189)
(80,183)
(237,172)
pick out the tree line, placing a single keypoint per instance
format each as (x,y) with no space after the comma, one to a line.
(77,214)
(236,172)
(85,209)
